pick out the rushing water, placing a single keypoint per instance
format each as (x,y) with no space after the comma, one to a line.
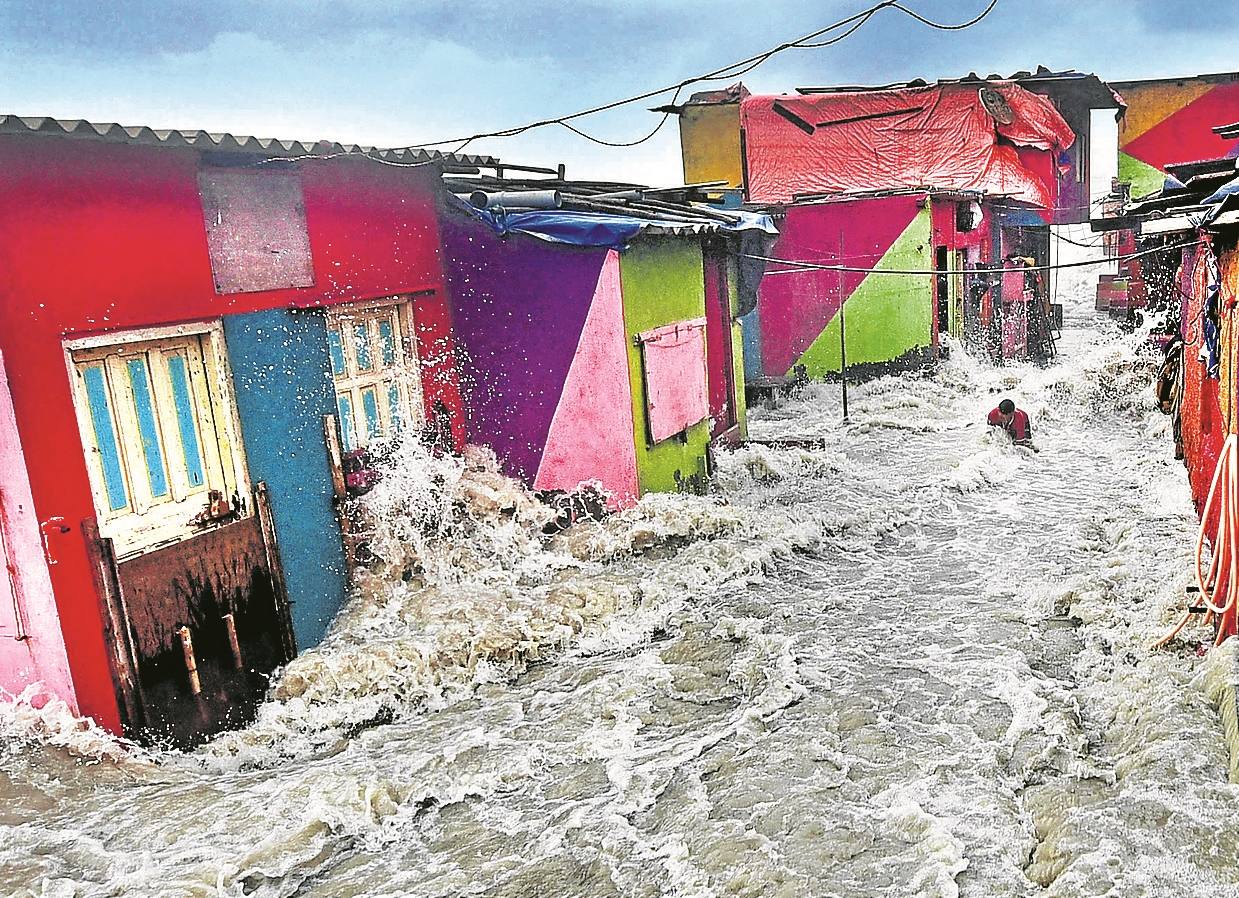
(911,662)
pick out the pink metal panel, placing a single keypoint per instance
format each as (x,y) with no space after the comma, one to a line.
(591,436)
(256,230)
(674,360)
(32,650)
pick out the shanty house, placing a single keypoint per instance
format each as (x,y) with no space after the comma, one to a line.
(193,328)
(1184,268)
(1172,120)
(596,330)
(988,151)
(905,267)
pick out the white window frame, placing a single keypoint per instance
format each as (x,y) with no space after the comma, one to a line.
(403,375)
(148,521)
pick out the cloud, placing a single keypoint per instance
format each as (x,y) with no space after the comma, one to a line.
(404,71)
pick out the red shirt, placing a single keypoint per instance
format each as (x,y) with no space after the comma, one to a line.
(1020,427)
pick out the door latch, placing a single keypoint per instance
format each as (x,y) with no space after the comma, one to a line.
(53,525)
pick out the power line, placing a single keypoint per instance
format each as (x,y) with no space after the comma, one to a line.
(732,70)
(797,267)
(736,74)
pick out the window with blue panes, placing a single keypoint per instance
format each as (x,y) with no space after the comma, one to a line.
(155,427)
(375,369)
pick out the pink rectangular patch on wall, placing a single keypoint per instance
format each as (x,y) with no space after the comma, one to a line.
(674,360)
(256,230)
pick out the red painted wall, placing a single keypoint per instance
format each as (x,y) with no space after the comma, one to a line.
(947,234)
(1043,165)
(1203,427)
(96,237)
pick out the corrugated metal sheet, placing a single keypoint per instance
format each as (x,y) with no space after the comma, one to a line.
(143,135)
(1097,90)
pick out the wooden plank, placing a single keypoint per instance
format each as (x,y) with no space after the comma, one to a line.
(117,633)
(340,490)
(275,569)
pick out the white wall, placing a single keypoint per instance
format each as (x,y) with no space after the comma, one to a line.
(1103,155)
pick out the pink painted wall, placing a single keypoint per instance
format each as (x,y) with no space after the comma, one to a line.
(590,437)
(26,600)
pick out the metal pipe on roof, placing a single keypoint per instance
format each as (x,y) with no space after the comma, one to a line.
(519,199)
(619,195)
(711,214)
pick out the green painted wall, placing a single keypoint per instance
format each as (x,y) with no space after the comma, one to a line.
(737,349)
(663,281)
(1143,178)
(888,315)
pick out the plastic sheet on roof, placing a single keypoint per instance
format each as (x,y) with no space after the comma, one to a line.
(1230,188)
(937,136)
(583,228)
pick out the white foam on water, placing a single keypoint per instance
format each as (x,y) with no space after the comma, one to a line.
(907,659)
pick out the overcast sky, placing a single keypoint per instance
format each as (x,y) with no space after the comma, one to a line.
(397,72)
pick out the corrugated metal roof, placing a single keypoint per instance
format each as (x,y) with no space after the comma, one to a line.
(1097,89)
(143,135)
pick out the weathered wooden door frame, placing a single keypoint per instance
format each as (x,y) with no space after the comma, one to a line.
(123,657)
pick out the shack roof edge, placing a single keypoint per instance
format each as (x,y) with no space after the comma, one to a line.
(144,135)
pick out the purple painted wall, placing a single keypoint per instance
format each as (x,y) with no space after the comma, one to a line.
(519,305)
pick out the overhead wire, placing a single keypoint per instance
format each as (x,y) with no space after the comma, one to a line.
(795,266)
(736,74)
(731,70)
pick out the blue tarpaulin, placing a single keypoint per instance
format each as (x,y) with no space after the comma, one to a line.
(588,228)
(1230,188)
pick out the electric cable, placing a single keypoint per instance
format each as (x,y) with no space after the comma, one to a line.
(798,266)
(731,70)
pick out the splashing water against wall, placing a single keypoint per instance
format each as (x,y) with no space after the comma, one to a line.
(909,662)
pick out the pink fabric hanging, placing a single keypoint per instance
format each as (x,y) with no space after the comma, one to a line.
(674,358)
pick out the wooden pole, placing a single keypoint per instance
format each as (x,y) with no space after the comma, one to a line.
(230,625)
(191,662)
(843,346)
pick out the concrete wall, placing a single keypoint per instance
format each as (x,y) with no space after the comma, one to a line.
(544,366)
(1169,121)
(887,316)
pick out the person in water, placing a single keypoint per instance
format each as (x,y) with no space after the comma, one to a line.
(1013,420)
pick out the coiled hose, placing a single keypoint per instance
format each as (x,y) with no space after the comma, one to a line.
(1219,584)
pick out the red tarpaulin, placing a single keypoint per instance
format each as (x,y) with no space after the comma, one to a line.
(940,136)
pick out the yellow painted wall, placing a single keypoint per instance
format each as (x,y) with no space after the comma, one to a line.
(1151,104)
(710,142)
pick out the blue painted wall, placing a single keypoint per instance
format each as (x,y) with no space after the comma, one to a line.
(281,372)
(751,329)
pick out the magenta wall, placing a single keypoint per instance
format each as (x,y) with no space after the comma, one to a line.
(519,305)
(794,309)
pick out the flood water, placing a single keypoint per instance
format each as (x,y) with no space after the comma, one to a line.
(911,662)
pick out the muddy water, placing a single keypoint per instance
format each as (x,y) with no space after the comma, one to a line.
(909,662)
